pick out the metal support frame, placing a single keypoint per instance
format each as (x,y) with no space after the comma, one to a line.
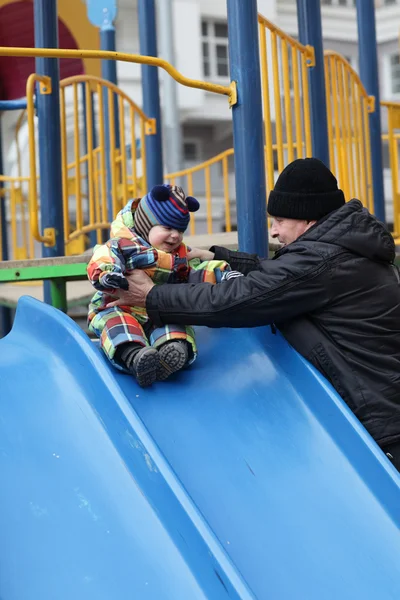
(48,109)
(151,92)
(172,130)
(310,32)
(248,127)
(370,79)
(109,72)
(5,313)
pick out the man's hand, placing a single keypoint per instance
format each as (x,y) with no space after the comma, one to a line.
(201,254)
(139,286)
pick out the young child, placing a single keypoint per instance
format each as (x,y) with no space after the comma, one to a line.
(147,234)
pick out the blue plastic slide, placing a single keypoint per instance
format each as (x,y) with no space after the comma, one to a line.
(243,477)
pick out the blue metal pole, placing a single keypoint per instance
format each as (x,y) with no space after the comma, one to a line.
(5,313)
(48,110)
(310,32)
(370,78)
(13,104)
(92,234)
(109,72)
(151,93)
(248,127)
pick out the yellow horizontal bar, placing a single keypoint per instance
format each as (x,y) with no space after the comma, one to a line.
(391,104)
(7,178)
(201,166)
(86,229)
(122,56)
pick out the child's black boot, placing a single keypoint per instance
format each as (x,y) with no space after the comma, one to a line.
(142,361)
(173,357)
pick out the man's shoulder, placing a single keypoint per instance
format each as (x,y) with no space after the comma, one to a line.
(310,249)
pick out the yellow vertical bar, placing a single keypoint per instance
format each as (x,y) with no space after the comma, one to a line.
(328,95)
(287,100)
(133,152)
(347,113)
(340,174)
(391,142)
(395,176)
(172,181)
(277,98)
(360,140)
(13,211)
(24,224)
(30,236)
(122,144)
(143,155)
(77,162)
(1,227)
(64,164)
(113,163)
(370,195)
(103,179)
(353,91)
(297,102)
(225,175)
(268,152)
(208,199)
(190,193)
(90,161)
(306,101)
(342,101)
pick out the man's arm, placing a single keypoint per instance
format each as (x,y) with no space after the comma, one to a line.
(280,290)
(239,261)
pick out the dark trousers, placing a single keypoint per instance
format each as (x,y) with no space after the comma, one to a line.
(392,451)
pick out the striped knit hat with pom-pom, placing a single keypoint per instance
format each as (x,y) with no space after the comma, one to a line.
(165,205)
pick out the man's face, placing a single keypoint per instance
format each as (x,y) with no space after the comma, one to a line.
(288,230)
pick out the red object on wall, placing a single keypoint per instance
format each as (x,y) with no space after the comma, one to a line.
(17,29)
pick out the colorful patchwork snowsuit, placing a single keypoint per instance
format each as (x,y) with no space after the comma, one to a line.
(123,253)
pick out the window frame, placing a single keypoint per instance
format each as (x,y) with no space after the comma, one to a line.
(213,41)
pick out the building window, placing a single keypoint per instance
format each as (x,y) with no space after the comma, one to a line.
(215,49)
(190,151)
(395,73)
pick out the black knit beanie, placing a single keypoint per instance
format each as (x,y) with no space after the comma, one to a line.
(306,189)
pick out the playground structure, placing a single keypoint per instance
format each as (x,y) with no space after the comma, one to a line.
(108,146)
(257,484)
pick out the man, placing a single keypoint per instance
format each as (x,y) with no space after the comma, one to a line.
(333,291)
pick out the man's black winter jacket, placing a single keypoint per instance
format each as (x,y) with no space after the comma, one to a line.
(334,293)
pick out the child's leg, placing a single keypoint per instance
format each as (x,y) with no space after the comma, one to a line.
(176,347)
(123,341)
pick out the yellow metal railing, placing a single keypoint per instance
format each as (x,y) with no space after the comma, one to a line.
(48,237)
(14,194)
(348,108)
(226,90)
(185,178)
(287,123)
(392,137)
(85,176)
(285,95)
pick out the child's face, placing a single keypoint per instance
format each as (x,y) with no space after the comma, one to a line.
(165,238)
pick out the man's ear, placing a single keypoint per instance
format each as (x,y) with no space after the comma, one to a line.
(310,224)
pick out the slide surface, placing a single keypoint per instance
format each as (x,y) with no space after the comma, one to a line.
(243,477)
